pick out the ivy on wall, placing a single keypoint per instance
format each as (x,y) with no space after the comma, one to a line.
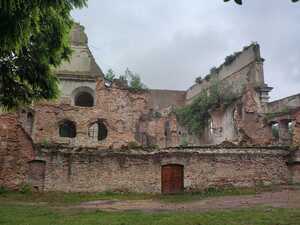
(195,116)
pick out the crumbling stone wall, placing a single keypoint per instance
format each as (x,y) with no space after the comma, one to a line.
(119,109)
(280,105)
(163,99)
(245,68)
(160,130)
(140,171)
(241,123)
(16,151)
(244,75)
(286,116)
(130,116)
(221,126)
(251,124)
(146,117)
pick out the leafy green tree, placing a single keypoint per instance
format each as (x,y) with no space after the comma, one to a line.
(34,39)
(240,2)
(110,75)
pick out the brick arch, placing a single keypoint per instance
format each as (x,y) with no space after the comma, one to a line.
(76,93)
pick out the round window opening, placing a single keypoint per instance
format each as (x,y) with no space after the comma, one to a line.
(98,131)
(84,99)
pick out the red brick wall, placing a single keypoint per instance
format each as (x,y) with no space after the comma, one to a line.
(16,151)
(119,109)
(251,124)
(141,172)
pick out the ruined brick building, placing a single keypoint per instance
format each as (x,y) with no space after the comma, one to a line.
(102,135)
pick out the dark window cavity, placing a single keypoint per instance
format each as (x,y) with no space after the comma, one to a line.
(84,99)
(67,129)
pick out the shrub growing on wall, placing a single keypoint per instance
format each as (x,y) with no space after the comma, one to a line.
(131,79)
(195,115)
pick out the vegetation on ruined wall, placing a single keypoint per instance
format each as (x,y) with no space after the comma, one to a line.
(227,61)
(184,142)
(133,80)
(34,40)
(110,75)
(198,80)
(195,116)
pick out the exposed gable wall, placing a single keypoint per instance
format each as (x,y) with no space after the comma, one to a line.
(245,69)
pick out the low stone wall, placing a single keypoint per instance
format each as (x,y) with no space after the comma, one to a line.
(93,170)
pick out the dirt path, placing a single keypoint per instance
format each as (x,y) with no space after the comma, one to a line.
(281,199)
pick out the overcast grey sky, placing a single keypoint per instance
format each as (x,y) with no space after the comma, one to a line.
(171,42)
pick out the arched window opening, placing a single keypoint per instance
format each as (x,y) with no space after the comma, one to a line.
(275,131)
(98,131)
(84,99)
(67,129)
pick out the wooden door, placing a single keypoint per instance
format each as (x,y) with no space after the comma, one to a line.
(172,178)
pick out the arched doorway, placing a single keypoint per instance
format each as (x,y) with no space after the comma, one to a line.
(172,178)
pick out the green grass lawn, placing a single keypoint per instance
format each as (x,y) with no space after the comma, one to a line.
(28,215)
(61,198)
(51,208)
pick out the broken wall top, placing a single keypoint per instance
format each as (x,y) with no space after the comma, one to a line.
(238,70)
(288,103)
